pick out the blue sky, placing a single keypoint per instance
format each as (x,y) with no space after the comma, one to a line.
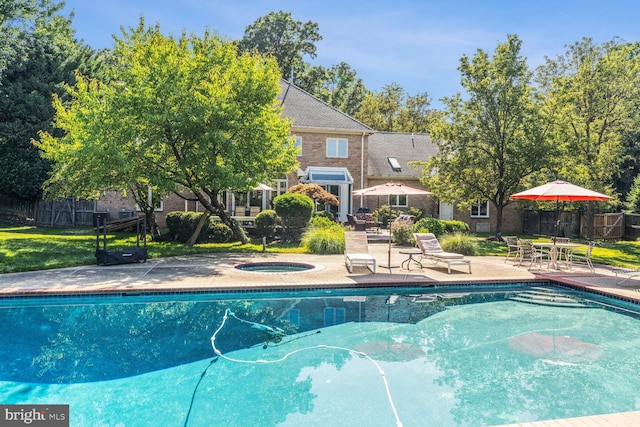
(417,44)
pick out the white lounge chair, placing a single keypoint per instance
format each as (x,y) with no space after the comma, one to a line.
(431,250)
(626,272)
(356,251)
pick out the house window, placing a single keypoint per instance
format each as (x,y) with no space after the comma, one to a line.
(298,145)
(334,316)
(400,201)
(337,147)
(480,210)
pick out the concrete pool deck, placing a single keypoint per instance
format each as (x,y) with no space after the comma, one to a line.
(217,272)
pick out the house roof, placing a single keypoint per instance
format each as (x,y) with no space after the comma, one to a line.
(310,113)
(405,147)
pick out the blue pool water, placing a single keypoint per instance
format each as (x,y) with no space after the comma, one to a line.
(383,357)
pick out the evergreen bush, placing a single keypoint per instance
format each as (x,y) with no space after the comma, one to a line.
(266,224)
(295,212)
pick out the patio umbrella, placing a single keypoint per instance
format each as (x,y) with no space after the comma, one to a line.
(560,191)
(390,189)
(262,187)
(555,347)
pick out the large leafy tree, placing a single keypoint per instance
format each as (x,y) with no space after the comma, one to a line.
(494,137)
(338,86)
(178,113)
(393,110)
(287,40)
(38,54)
(596,88)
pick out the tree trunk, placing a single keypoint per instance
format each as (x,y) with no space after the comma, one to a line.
(203,220)
(215,208)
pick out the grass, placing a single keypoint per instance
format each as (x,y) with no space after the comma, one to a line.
(37,248)
(24,248)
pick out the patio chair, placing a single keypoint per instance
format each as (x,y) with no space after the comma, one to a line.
(512,247)
(585,258)
(356,251)
(531,253)
(358,225)
(432,251)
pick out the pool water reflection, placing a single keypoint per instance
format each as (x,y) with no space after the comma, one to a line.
(449,356)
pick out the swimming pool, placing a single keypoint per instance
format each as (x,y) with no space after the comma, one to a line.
(445,356)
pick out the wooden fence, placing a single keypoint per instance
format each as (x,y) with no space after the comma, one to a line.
(608,226)
(70,212)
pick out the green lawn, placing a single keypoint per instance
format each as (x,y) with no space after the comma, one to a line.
(25,248)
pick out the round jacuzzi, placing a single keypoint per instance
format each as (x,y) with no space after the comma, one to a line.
(276,267)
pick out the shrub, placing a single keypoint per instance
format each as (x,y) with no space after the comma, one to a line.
(324,240)
(182,225)
(295,212)
(385,214)
(220,232)
(415,212)
(429,225)
(459,243)
(325,214)
(321,222)
(402,232)
(266,222)
(452,226)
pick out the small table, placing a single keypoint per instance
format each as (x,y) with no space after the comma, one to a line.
(555,250)
(411,259)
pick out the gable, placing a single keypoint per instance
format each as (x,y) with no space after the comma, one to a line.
(310,113)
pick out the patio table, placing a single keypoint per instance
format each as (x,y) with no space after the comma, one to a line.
(555,251)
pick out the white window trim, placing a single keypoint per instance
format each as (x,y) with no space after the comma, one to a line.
(396,198)
(478,206)
(335,142)
(298,144)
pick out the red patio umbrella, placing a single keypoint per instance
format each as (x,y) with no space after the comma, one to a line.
(560,191)
(390,189)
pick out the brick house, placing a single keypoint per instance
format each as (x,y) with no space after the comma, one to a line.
(341,154)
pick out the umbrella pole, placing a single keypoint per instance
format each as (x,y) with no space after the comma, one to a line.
(389,266)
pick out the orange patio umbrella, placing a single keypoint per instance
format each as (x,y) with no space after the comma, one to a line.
(560,191)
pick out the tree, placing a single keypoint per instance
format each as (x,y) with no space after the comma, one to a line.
(492,140)
(316,193)
(596,88)
(178,113)
(633,198)
(38,54)
(288,41)
(338,86)
(393,110)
